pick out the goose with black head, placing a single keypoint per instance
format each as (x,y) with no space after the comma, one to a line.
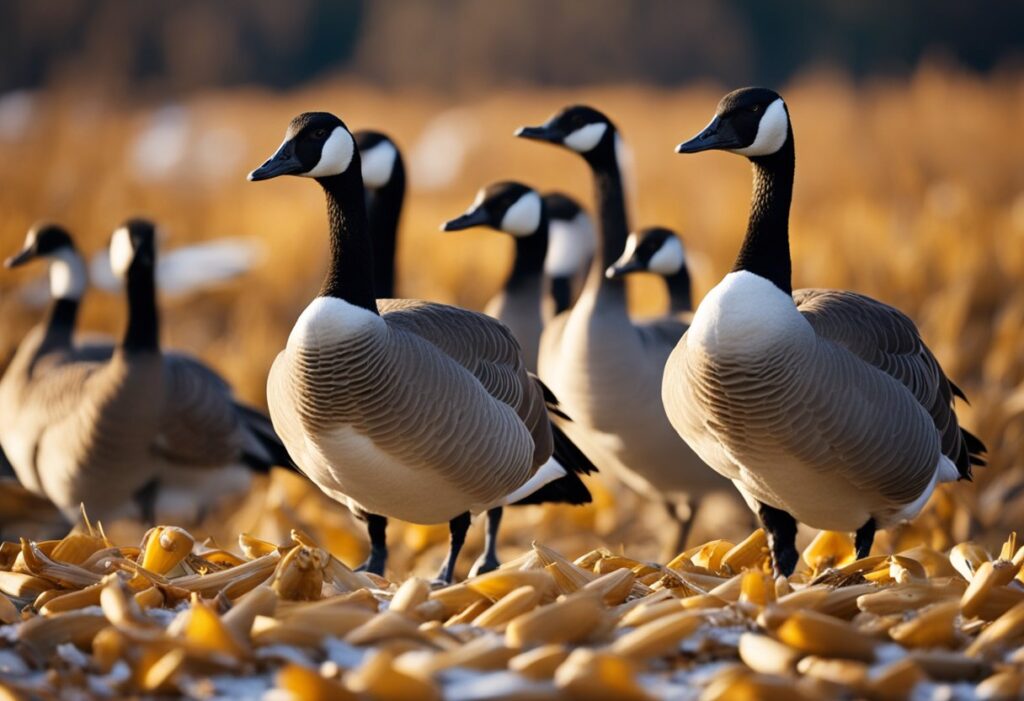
(85,427)
(606,368)
(570,249)
(518,210)
(385,403)
(659,251)
(822,406)
(384,180)
(207,440)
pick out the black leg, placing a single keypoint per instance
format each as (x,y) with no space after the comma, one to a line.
(377,527)
(781,530)
(458,527)
(145,499)
(683,522)
(864,538)
(489,560)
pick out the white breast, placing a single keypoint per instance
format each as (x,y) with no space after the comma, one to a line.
(330,320)
(744,313)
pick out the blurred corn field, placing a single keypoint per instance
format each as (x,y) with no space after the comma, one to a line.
(910,191)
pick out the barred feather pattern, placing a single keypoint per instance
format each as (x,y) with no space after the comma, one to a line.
(841,397)
(420,414)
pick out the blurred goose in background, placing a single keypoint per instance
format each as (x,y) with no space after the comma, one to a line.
(570,248)
(400,408)
(199,426)
(660,251)
(515,209)
(605,368)
(187,269)
(384,180)
(822,406)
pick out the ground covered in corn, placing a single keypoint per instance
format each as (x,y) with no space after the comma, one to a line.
(85,618)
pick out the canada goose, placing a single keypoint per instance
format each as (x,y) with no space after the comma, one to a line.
(822,406)
(84,429)
(399,408)
(200,425)
(570,248)
(518,210)
(606,369)
(384,180)
(659,250)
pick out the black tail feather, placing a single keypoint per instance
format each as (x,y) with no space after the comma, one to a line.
(550,400)
(976,448)
(570,488)
(259,425)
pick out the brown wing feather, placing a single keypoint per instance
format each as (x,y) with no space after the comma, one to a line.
(487,349)
(886,338)
(199,423)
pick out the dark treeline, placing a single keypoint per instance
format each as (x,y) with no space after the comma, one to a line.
(180,45)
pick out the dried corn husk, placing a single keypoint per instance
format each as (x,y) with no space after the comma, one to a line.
(164,547)
(595,676)
(495,585)
(378,679)
(966,558)
(413,592)
(658,637)
(19,585)
(932,627)
(540,662)
(767,655)
(303,683)
(77,548)
(43,634)
(1003,632)
(513,604)
(825,636)
(828,550)
(307,629)
(570,620)
(750,553)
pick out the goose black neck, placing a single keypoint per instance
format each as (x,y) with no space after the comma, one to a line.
(680,291)
(610,196)
(350,269)
(60,323)
(561,293)
(143,332)
(765,249)
(528,267)
(384,208)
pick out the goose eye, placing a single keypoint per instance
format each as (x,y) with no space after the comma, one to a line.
(756,108)
(320,133)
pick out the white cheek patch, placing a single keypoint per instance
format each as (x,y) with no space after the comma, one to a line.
(586,138)
(335,156)
(771,132)
(378,163)
(67,275)
(570,245)
(627,252)
(121,252)
(522,218)
(669,259)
